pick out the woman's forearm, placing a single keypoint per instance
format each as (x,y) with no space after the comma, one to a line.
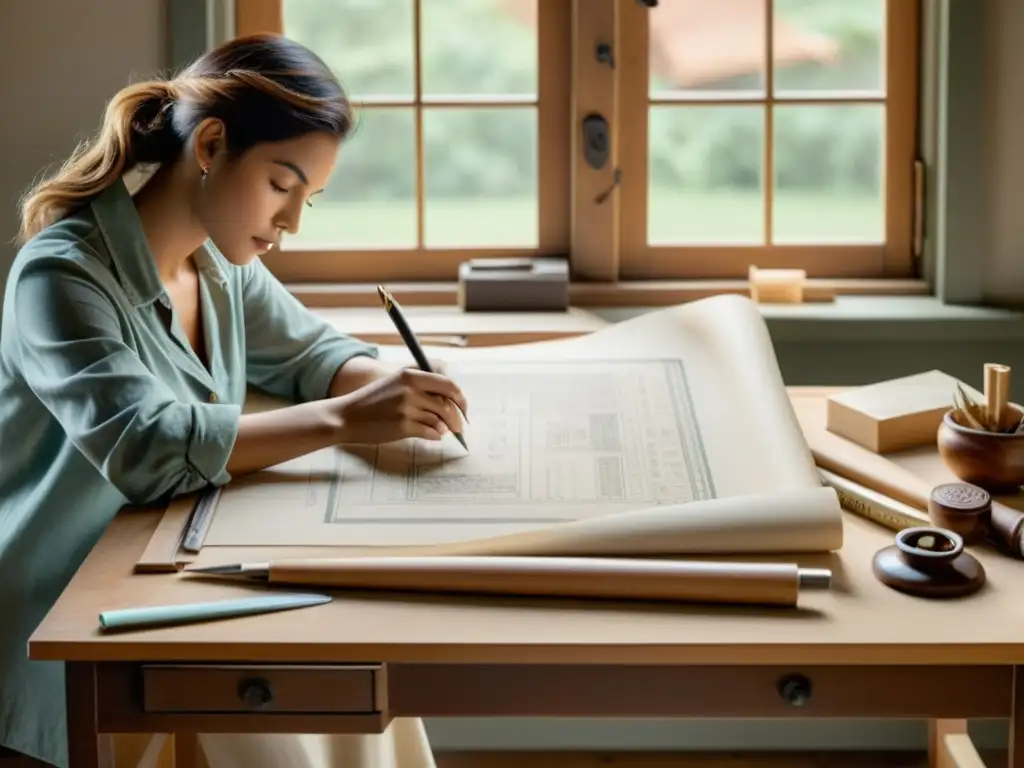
(283,434)
(275,436)
(357,372)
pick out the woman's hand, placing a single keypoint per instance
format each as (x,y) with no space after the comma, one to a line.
(379,403)
(407,402)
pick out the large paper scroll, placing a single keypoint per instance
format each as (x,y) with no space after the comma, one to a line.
(668,432)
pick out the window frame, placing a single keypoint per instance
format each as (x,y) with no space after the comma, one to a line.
(896,257)
(417,264)
(575,200)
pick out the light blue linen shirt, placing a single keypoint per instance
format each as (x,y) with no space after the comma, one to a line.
(103,403)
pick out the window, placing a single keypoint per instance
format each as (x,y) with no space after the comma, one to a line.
(775,133)
(462,141)
(779,133)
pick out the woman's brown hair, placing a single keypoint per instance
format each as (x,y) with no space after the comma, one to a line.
(265,88)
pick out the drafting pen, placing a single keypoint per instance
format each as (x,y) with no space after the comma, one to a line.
(394,311)
(572,577)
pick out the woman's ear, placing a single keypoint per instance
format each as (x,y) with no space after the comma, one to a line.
(209,142)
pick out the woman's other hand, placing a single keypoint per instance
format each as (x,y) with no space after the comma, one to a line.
(408,402)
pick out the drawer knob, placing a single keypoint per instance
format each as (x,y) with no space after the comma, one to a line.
(256,694)
(795,689)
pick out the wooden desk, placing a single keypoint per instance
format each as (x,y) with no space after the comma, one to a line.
(859,650)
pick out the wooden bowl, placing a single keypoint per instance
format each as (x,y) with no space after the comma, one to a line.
(991,460)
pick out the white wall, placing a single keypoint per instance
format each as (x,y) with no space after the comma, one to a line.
(60,61)
(1004,264)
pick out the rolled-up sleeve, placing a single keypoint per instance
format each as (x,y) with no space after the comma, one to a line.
(132,427)
(290,352)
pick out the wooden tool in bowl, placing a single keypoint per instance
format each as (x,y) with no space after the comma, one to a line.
(993,460)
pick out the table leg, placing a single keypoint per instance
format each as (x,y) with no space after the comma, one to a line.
(86,747)
(938,750)
(187,751)
(1015,758)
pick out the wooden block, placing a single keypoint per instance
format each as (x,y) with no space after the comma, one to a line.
(776,286)
(896,414)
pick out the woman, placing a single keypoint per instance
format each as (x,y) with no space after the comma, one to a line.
(132,327)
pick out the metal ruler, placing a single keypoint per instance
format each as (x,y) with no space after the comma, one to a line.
(199,523)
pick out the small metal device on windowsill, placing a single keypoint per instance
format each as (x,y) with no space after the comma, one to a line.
(533,284)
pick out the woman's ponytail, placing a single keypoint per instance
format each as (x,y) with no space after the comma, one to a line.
(136,129)
(264,88)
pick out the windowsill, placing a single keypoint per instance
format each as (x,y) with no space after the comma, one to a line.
(632,293)
(881,318)
(891,318)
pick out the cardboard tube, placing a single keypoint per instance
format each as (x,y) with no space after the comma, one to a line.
(573,577)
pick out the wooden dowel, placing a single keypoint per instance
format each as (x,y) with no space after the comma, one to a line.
(997,395)
(573,577)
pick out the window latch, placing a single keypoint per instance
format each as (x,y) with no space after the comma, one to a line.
(596,142)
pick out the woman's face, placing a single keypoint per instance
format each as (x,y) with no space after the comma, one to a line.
(247,204)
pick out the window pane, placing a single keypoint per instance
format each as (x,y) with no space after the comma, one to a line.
(829,172)
(481,177)
(367,43)
(705,175)
(370,201)
(829,45)
(476,47)
(708,46)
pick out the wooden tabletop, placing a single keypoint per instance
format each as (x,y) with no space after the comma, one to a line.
(859,621)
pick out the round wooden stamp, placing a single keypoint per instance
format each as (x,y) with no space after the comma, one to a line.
(929,562)
(963,508)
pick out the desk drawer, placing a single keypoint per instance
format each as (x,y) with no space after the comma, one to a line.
(194,688)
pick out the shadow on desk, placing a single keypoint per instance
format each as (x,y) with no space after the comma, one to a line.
(533,603)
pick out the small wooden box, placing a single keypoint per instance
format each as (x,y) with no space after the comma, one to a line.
(529,284)
(896,414)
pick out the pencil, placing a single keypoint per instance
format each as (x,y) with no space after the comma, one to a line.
(394,311)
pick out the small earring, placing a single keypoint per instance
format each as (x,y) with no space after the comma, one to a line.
(204,172)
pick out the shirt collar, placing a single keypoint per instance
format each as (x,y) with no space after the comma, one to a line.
(121,228)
